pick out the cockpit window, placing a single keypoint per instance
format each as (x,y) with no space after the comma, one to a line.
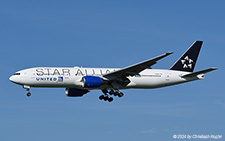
(17,73)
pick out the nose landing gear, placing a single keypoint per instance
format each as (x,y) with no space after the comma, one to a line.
(28,90)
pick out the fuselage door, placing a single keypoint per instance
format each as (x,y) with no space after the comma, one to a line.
(167,76)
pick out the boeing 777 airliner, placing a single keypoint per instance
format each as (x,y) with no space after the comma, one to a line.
(79,81)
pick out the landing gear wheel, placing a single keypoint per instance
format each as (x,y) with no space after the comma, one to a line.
(110,99)
(101,97)
(106,98)
(120,95)
(107,93)
(116,94)
(111,92)
(28,94)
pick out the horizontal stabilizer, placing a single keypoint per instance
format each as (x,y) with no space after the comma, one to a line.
(199,72)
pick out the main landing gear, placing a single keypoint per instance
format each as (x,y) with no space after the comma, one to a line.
(106,97)
(28,90)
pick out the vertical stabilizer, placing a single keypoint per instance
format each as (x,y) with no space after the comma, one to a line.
(188,60)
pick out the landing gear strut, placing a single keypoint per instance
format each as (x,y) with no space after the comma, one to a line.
(106,97)
(28,90)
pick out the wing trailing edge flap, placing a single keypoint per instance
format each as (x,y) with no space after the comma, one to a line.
(134,69)
(195,74)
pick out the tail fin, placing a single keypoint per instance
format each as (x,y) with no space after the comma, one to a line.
(188,60)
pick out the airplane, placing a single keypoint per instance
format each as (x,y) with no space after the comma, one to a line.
(78,81)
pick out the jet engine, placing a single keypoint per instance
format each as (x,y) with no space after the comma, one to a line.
(74,92)
(92,81)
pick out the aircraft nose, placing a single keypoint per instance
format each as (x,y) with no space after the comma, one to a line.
(13,79)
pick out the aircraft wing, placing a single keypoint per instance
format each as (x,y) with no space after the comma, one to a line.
(134,69)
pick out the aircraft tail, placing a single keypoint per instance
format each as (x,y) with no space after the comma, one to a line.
(188,60)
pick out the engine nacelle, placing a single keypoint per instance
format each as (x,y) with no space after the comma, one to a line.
(92,81)
(74,92)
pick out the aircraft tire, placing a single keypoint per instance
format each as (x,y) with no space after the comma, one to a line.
(106,98)
(101,97)
(110,99)
(28,94)
(120,95)
(111,92)
(116,94)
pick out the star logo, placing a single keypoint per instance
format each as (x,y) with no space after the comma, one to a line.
(187,62)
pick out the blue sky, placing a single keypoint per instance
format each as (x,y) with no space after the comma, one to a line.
(110,34)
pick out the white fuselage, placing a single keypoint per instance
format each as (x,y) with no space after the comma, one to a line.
(72,77)
(79,81)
